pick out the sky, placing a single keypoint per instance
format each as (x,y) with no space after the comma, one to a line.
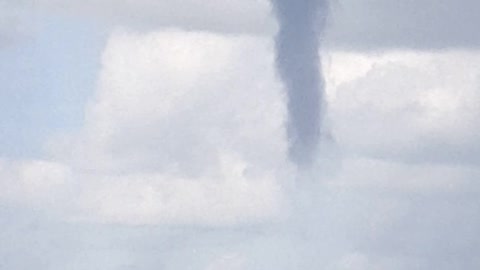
(152,135)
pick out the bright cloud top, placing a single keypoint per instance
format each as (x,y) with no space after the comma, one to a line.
(187,127)
(411,106)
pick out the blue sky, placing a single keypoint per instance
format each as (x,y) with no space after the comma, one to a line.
(151,135)
(47,77)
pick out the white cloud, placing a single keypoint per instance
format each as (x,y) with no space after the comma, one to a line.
(172,105)
(409,106)
(379,174)
(187,128)
(353,261)
(178,99)
(35,182)
(230,198)
(184,128)
(228,261)
(405,120)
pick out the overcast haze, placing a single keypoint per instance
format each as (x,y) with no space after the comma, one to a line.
(152,135)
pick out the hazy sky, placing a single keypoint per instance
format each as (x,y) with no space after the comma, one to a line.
(151,135)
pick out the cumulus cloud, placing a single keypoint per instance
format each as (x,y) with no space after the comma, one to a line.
(410,106)
(187,123)
(381,174)
(232,198)
(189,126)
(34,182)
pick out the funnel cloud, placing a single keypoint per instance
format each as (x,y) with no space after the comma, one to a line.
(301,24)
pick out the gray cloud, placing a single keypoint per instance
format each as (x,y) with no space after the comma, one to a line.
(353,24)
(419,24)
(237,16)
(14,22)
